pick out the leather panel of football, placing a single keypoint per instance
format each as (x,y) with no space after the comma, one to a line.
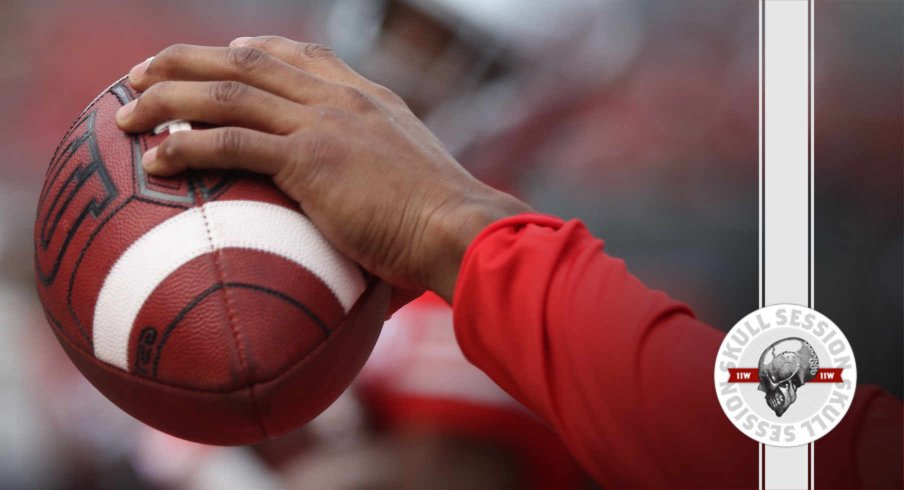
(281,311)
(305,390)
(182,337)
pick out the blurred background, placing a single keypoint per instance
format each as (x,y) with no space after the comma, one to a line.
(639,117)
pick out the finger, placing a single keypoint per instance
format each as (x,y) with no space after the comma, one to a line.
(248,65)
(313,58)
(220,148)
(225,103)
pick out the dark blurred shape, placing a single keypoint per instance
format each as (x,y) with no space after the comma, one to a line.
(471,68)
(859,230)
(859,181)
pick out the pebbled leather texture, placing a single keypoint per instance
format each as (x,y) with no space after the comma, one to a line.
(233,346)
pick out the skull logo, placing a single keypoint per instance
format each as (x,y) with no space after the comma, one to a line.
(784,367)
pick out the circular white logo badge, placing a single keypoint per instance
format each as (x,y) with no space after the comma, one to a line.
(785,375)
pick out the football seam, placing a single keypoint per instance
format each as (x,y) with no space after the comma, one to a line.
(171,327)
(230,315)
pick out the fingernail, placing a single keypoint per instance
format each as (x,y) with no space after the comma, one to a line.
(149,158)
(123,113)
(139,69)
(240,41)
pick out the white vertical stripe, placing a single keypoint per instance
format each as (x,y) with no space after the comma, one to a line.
(216,225)
(786,219)
(786,180)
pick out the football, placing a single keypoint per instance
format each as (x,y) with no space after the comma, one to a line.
(205,305)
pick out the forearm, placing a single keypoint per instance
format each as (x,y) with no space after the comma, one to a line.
(623,373)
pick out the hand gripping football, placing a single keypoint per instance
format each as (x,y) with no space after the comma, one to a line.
(205,305)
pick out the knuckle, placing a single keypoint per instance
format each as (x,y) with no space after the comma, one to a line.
(227,92)
(315,51)
(331,118)
(168,57)
(315,158)
(228,142)
(172,148)
(270,42)
(358,99)
(245,58)
(289,177)
(385,94)
(315,155)
(157,94)
(319,149)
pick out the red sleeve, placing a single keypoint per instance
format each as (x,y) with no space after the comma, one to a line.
(623,373)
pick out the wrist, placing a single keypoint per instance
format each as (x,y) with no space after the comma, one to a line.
(457,229)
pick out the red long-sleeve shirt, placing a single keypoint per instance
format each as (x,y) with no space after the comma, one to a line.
(621,372)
